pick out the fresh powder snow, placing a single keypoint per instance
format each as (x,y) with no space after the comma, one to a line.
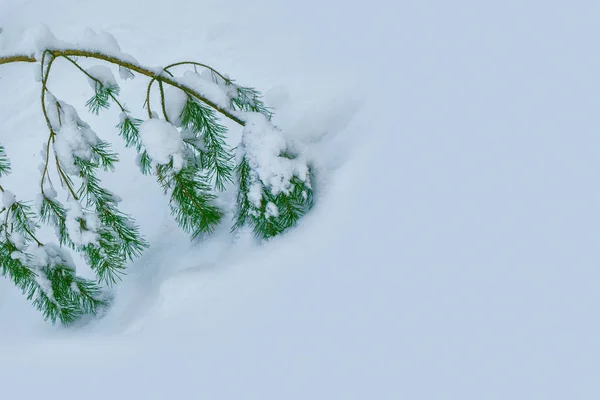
(452,252)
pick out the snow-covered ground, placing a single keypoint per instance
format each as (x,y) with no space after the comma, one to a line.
(453,250)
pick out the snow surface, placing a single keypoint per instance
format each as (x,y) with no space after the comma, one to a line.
(453,249)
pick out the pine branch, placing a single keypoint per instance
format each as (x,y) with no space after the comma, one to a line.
(131,66)
(129,129)
(54,288)
(101,98)
(269,214)
(250,100)
(215,157)
(4,163)
(119,237)
(43,272)
(191,202)
(145,163)
(274,188)
(241,98)
(53,213)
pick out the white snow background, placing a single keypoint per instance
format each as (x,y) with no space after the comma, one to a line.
(453,250)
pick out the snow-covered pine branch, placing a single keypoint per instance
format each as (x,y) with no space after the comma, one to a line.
(182,141)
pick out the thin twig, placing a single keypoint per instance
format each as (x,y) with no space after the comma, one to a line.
(112,96)
(147,103)
(199,65)
(45,112)
(162,100)
(65,179)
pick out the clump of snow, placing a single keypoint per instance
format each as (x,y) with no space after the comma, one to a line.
(271,210)
(103,74)
(123,116)
(37,74)
(18,240)
(100,40)
(8,199)
(41,38)
(162,142)
(158,71)
(74,218)
(103,42)
(205,86)
(229,89)
(255,191)
(125,73)
(45,286)
(70,143)
(263,146)
(74,138)
(19,255)
(175,100)
(113,198)
(37,39)
(50,255)
(49,190)
(33,40)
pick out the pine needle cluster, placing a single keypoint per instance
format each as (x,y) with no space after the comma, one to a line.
(45,273)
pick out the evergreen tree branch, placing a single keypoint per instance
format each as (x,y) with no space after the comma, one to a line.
(274,189)
(4,164)
(191,202)
(269,214)
(129,65)
(104,91)
(216,157)
(54,288)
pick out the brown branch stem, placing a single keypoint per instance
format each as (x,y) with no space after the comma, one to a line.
(129,65)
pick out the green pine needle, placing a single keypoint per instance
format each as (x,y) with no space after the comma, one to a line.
(250,99)
(275,213)
(191,202)
(119,235)
(129,129)
(245,99)
(101,98)
(4,162)
(145,163)
(104,157)
(53,213)
(23,219)
(55,289)
(216,156)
